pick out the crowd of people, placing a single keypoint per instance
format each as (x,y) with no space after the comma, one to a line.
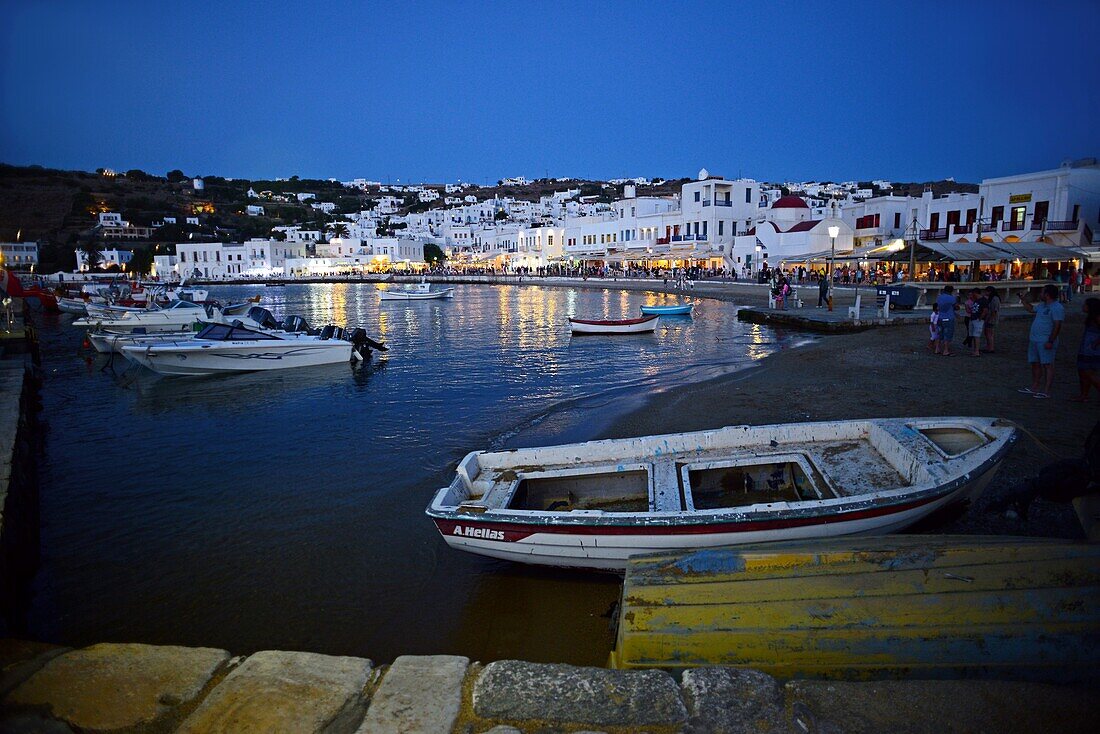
(980,311)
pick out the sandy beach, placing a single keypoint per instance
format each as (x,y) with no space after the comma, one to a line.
(889,373)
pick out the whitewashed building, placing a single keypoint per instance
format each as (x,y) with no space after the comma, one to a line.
(18,255)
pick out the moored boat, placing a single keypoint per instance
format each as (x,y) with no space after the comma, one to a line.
(417,292)
(236,347)
(668,310)
(613,326)
(106,342)
(596,504)
(180,315)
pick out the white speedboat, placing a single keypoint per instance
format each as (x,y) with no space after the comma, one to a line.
(222,348)
(179,316)
(596,504)
(66,304)
(418,292)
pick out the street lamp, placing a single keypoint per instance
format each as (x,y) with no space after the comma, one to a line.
(833,232)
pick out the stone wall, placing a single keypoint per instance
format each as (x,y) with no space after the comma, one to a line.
(143,688)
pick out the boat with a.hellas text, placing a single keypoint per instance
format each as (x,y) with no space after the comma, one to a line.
(237,347)
(416,292)
(596,504)
(643,325)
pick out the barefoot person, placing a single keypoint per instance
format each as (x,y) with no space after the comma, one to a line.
(1088,356)
(1043,340)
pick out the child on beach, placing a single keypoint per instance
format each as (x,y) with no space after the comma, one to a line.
(934,326)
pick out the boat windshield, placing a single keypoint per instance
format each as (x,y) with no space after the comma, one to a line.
(184,304)
(232,332)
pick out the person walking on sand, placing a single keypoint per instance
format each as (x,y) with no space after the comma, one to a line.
(1088,355)
(1043,340)
(993,312)
(947,305)
(977,321)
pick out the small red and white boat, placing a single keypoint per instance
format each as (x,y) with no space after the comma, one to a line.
(614,326)
(596,504)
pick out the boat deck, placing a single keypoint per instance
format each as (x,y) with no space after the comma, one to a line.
(840,468)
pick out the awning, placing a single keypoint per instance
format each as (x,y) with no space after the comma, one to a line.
(1037,251)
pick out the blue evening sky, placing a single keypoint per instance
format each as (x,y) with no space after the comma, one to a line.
(480,91)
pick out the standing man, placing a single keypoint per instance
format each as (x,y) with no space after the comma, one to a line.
(1043,340)
(822,290)
(947,305)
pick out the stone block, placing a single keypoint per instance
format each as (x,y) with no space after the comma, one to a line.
(938,706)
(419,694)
(516,690)
(274,691)
(108,687)
(732,700)
(19,659)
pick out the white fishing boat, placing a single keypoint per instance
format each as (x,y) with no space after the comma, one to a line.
(235,347)
(643,325)
(176,317)
(596,504)
(417,292)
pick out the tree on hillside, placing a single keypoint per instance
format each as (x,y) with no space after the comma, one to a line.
(90,248)
(176,175)
(278,235)
(501,214)
(432,253)
(142,260)
(340,230)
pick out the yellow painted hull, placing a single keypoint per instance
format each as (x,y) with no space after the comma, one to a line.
(903,606)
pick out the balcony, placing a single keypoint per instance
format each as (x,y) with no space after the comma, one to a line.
(1012,226)
(1055,225)
(934,234)
(964,228)
(723,202)
(991,227)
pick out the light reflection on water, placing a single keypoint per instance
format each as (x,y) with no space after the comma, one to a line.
(285,510)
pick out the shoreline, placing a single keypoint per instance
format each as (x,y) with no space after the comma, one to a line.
(884,373)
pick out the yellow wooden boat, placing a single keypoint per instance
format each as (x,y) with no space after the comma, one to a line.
(899,606)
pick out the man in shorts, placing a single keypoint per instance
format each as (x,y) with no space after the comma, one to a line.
(1043,340)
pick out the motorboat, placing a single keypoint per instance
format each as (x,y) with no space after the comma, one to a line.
(176,317)
(668,310)
(596,504)
(68,304)
(643,325)
(417,292)
(236,347)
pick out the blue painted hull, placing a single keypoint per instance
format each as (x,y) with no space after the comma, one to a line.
(667,310)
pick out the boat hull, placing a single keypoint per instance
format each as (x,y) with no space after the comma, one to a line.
(626,326)
(72,305)
(667,310)
(226,357)
(608,548)
(416,295)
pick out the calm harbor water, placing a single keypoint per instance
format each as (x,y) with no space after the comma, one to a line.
(285,510)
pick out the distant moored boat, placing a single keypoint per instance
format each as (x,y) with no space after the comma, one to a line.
(668,310)
(613,326)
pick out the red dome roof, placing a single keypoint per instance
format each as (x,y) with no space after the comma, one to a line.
(790,202)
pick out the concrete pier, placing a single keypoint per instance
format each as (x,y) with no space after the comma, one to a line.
(19,437)
(145,688)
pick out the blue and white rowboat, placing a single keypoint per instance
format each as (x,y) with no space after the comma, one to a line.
(668,310)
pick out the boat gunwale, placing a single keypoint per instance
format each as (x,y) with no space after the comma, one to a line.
(613,322)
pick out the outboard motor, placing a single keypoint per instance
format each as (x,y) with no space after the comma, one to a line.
(328,332)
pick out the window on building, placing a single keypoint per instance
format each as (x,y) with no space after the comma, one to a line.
(997,214)
(721,227)
(697,196)
(1076,212)
(748,196)
(934,220)
(1042,210)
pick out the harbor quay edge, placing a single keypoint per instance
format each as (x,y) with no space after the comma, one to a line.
(120,687)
